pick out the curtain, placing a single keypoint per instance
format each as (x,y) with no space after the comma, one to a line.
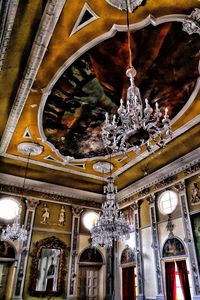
(170,280)
(183,275)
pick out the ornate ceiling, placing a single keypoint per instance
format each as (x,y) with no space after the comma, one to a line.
(64,66)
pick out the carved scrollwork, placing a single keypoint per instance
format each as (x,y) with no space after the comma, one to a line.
(191,24)
(151,199)
(166,181)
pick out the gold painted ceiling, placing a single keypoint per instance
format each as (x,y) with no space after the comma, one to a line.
(64,67)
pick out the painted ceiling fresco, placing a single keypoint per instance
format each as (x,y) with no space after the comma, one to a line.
(95,82)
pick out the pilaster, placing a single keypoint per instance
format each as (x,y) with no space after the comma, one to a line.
(31,205)
(139,261)
(181,188)
(72,273)
(156,247)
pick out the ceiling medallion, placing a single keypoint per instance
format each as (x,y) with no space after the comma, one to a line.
(103,166)
(29,148)
(123,4)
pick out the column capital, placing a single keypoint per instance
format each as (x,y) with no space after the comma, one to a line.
(151,199)
(77,210)
(180,186)
(31,203)
(135,205)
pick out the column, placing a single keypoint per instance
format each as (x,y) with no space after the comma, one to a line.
(109,273)
(31,205)
(138,254)
(156,248)
(72,273)
(180,187)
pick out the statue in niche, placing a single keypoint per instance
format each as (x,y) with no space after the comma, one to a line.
(195,194)
(45,214)
(61,218)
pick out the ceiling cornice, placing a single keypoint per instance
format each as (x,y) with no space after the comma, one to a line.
(171,169)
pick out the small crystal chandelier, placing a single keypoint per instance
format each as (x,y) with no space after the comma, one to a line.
(15,231)
(111,224)
(136,124)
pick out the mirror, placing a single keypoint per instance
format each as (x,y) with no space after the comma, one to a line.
(48,268)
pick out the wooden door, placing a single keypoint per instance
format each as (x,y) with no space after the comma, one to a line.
(92,284)
(128,283)
(4,270)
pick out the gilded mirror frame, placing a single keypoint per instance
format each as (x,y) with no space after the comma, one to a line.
(48,243)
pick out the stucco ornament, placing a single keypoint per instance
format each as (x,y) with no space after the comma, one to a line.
(122,4)
(191,24)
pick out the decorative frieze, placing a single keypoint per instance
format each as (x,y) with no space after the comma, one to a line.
(144,192)
(192,169)
(165,182)
(46,196)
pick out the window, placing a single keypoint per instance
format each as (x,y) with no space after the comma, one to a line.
(89,219)
(9,208)
(167,202)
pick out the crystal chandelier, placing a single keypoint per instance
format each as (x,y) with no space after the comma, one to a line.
(111,224)
(14,232)
(136,124)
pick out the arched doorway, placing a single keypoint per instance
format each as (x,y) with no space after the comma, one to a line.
(7,258)
(129,282)
(177,284)
(90,263)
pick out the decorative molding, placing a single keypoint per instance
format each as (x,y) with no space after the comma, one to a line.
(189,163)
(76,211)
(191,24)
(165,182)
(170,227)
(180,186)
(48,22)
(76,198)
(48,191)
(79,25)
(55,231)
(176,134)
(31,204)
(27,134)
(121,28)
(151,199)
(9,10)
(192,169)
(59,168)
